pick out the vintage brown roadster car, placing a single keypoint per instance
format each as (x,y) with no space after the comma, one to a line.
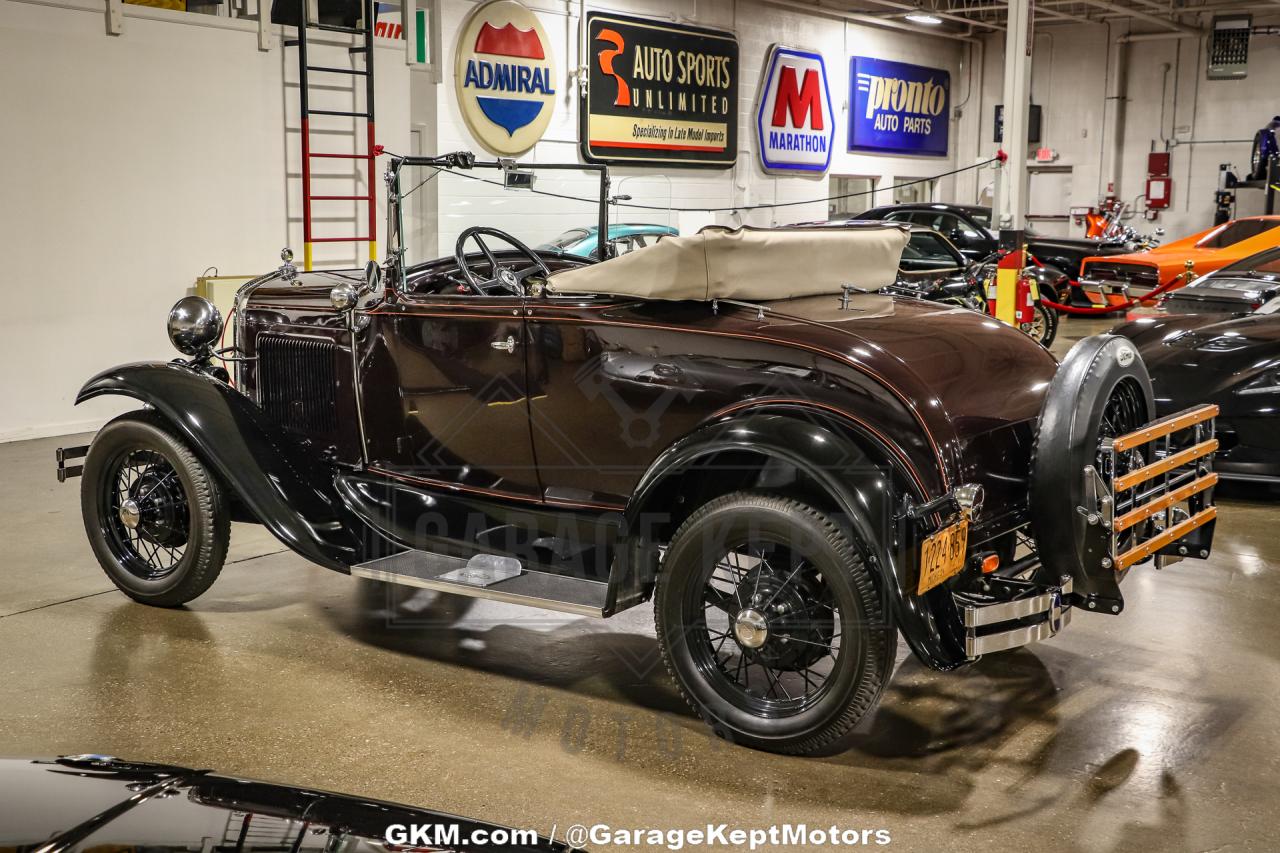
(793,467)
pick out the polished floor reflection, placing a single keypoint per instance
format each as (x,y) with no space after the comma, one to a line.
(1154,730)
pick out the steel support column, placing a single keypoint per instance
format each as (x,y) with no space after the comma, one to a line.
(1011,181)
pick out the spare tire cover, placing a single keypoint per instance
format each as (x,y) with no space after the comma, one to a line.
(1101,390)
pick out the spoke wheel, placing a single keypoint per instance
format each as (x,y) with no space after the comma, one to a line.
(771,628)
(1124,412)
(146,515)
(1043,327)
(770,623)
(154,515)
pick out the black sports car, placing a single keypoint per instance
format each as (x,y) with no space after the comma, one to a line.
(1234,362)
(1241,288)
(97,802)
(969,227)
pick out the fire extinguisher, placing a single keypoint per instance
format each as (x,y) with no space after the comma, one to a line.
(1015,294)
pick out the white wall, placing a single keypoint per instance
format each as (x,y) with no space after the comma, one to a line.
(758,25)
(1069,80)
(129,164)
(132,163)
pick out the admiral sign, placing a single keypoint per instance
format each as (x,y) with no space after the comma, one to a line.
(898,108)
(795,123)
(505,77)
(659,93)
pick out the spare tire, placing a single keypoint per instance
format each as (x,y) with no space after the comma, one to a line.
(1101,390)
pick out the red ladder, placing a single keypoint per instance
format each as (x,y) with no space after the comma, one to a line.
(369,155)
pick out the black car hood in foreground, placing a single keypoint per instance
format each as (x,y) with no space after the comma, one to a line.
(1202,357)
(81,802)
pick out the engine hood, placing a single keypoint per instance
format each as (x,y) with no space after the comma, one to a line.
(1202,358)
(99,802)
(274,283)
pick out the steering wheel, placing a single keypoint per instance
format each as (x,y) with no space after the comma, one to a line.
(504,278)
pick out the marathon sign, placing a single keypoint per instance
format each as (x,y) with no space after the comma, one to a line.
(659,93)
(898,108)
(795,122)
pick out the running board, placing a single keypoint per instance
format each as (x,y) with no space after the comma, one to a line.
(489,576)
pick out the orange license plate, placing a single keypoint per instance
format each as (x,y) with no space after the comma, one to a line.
(943,555)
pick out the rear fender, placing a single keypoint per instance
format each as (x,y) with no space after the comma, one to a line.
(287,487)
(857,479)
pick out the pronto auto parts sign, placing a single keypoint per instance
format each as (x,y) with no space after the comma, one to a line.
(505,77)
(660,93)
(898,108)
(795,124)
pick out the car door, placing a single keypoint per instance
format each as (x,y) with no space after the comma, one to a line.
(444,393)
(609,391)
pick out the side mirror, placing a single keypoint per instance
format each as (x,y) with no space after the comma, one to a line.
(372,277)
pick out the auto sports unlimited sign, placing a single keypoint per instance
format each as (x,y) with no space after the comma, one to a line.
(659,93)
(795,123)
(898,108)
(505,77)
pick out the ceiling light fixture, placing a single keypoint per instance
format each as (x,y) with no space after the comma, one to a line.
(924,18)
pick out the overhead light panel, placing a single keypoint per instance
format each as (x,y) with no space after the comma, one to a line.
(924,18)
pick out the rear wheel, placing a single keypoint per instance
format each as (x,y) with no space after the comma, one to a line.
(155,517)
(769,622)
(1043,328)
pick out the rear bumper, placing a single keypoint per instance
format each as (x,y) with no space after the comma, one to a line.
(1103,293)
(1152,497)
(1010,613)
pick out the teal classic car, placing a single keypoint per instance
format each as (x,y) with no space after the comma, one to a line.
(624,237)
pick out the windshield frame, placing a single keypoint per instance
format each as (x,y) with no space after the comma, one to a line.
(465,161)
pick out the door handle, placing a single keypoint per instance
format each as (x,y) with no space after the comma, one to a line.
(508,346)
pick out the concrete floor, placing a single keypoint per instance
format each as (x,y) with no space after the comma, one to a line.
(1154,730)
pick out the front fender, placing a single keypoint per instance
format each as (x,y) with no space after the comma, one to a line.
(858,476)
(285,485)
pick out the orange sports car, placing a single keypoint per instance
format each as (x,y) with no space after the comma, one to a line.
(1116,279)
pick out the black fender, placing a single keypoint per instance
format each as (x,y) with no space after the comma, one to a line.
(288,487)
(857,475)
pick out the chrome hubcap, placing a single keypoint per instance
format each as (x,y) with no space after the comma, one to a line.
(130,514)
(750,628)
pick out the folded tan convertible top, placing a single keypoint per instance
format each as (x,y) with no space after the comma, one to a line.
(754,264)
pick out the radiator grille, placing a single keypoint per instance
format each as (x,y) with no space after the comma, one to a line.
(1189,305)
(297,385)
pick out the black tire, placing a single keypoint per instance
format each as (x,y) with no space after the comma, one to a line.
(1044,328)
(1101,389)
(178,543)
(1258,157)
(830,596)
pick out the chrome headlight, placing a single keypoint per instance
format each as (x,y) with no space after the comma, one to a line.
(194,324)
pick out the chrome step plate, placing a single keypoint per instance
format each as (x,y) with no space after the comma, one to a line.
(489,576)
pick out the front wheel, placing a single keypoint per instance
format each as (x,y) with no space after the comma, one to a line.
(155,517)
(769,622)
